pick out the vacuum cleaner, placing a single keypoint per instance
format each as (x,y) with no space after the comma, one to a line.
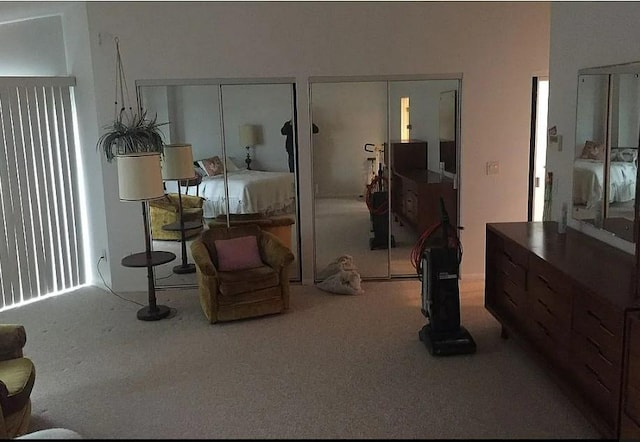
(378,205)
(438,268)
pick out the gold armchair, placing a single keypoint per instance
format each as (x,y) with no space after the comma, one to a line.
(17,376)
(166,210)
(230,295)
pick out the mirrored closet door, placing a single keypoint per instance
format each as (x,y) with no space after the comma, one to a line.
(241,122)
(380,165)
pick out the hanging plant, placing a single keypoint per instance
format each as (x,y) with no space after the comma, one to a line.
(131,131)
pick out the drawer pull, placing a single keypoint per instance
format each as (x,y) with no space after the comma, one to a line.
(545,307)
(509,298)
(602,326)
(544,329)
(545,281)
(597,347)
(595,373)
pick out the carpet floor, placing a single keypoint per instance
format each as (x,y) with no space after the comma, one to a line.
(334,366)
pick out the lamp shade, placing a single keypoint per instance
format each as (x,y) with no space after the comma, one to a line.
(140,176)
(178,162)
(249,135)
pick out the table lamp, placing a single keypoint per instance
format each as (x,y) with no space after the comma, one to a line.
(249,136)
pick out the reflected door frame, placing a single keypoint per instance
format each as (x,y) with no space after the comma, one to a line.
(538,147)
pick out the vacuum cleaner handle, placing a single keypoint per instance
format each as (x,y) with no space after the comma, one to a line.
(444,217)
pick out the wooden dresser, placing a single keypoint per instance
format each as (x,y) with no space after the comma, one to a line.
(416,191)
(567,299)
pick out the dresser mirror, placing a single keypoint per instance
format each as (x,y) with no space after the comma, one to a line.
(606,148)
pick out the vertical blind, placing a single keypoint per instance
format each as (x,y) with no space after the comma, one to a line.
(41,250)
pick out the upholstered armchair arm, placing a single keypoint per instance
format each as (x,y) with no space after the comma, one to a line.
(13,337)
(203,259)
(191,201)
(275,254)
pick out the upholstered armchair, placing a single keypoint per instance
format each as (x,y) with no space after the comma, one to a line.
(232,284)
(166,210)
(17,376)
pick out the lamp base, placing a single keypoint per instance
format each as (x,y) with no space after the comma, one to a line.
(186,268)
(160,312)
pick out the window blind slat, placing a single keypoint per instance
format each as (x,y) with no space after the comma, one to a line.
(50,176)
(76,245)
(8,267)
(29,267)
(12,201)
(41,161)
(68,232)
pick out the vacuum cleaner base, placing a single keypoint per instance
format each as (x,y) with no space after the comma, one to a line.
(447,343)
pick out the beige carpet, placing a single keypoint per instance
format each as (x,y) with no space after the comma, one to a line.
(334,366)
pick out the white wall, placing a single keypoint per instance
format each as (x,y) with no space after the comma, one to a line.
(583,35)
(348,115)
(33,47)
(497,46)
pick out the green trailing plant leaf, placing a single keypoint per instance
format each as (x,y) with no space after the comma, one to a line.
(130,133)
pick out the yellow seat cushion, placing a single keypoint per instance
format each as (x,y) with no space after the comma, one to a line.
(18,376)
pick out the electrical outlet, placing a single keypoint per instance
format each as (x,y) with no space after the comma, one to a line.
(103,254)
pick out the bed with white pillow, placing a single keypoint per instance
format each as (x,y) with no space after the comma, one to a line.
(250,191)
(588,178)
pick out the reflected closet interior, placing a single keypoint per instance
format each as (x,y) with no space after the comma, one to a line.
(385,152)
(242,121)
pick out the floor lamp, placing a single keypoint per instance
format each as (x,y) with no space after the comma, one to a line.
(178,165)
(140,179)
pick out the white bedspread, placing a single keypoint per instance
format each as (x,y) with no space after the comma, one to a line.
(250,191)
(588,181)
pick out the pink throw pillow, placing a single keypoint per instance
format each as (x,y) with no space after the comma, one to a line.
(238,253)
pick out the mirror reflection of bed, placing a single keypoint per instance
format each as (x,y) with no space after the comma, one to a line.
(606,157)
(243,172)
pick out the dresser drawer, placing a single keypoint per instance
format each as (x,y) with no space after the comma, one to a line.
(556,327)
(632,403)
(516,254)
(549,340)
(544,275)
(602,398)
(548,293)
(600,323)
(510,298)
(600,361)
(409,186)
(629,429)
(512,270)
